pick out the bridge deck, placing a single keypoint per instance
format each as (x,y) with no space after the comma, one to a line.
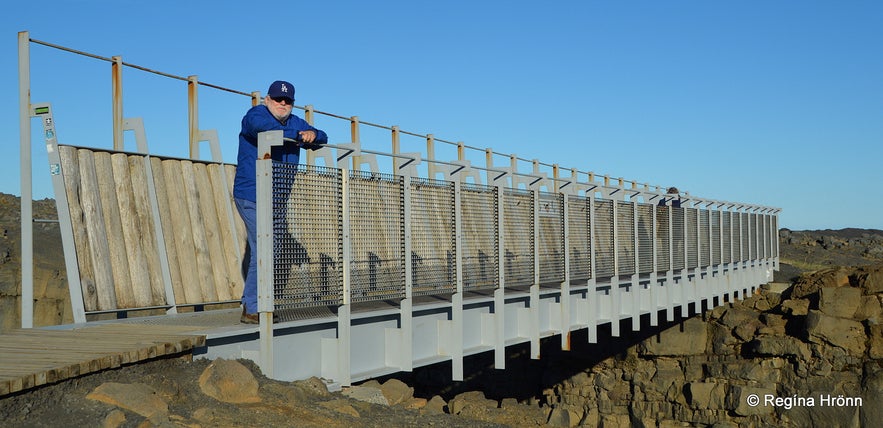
(33,357)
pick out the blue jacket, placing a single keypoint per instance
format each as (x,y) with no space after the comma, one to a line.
(259,119)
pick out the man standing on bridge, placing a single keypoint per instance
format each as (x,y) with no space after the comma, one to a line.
(273,114)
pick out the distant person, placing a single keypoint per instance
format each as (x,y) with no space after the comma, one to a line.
(273,114)
(673,195)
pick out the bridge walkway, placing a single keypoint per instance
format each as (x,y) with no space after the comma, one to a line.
(30,358)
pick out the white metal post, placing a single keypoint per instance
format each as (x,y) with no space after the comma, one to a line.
(406,329)
(615,297)
(265,256)
(43,111)
(344,325)
(565,285)
(27,209)
(456,335)
(500,291)
(635,287)
(592,291)
(534,312)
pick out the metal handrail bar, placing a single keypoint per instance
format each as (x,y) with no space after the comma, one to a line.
(135,66)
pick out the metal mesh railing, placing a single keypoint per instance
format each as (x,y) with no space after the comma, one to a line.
(704,239)
(727,237)
(376,206)
(645,238)
(744,231)
(763,235)
(580,248)
(625,237)
(715,237)
(603,236)
(307,232)
(519,237)
(751,236)
(432,237)
(679,238)
(551,237)
(691,233)
(308,244)
(479,244)
(663,238)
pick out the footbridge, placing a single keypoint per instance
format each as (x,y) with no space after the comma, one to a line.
(374,259)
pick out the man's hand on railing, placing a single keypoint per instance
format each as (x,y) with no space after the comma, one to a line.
(307,136)
(306,140)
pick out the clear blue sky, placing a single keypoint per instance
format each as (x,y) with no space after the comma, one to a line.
(777,103)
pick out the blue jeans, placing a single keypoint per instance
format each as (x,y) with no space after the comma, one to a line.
(248,211)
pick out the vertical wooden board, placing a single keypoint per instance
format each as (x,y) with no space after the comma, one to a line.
(168,232)
(241,235)
(144,217)
(114,229)
(230,171)
(180,219)
(197,230)
(139,277)
(93,218)
(212,227)
(70,169)
(227,214)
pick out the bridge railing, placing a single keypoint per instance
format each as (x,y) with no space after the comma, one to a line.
(406,235)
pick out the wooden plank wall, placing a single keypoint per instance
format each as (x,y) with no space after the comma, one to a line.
(115,238)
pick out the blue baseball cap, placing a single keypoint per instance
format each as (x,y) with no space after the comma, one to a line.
(281,89)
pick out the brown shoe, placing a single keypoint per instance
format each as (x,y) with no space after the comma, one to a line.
(249,318)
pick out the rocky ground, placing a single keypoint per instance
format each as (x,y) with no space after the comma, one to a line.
(810,348)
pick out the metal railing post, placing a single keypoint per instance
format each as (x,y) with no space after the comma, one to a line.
(406,329)
(344,313)
(116,71)
(430,156)
(456,334)
(396,149)
(265,256)
(635,287)
(615,295)
(193,115)
(535,286)
(354,136)
(27,210)
(500,291)
(309,117)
